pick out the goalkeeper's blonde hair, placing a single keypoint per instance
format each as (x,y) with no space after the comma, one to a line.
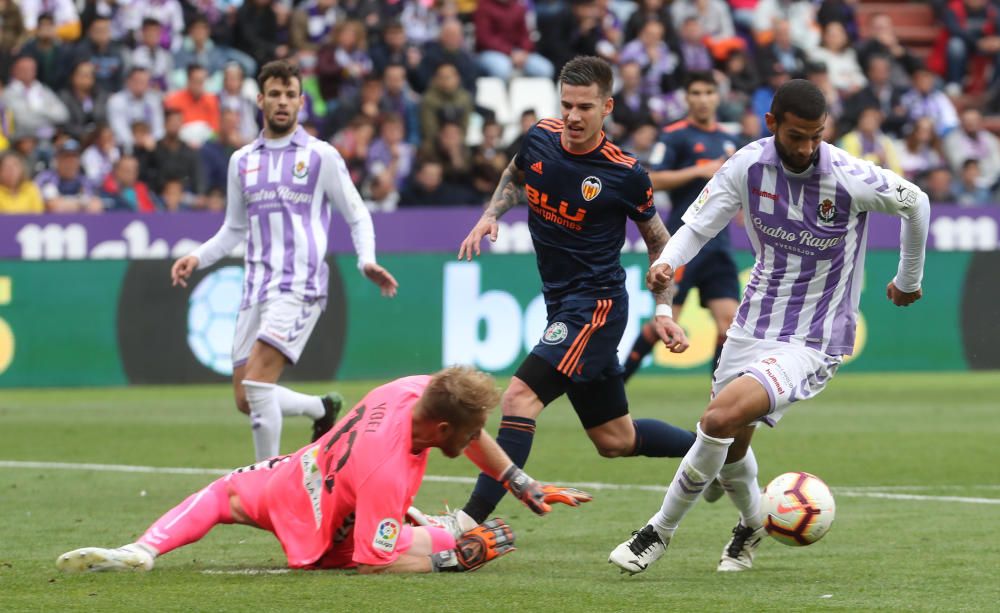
(460,395)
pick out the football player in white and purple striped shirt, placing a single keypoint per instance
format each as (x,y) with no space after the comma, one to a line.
(279,196)
(805,204)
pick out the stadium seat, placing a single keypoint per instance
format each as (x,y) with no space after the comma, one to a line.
(538,93)
(491,93)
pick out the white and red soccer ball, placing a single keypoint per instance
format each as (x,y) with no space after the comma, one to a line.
(798,508)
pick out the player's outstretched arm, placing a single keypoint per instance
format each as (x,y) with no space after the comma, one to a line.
(484,543)
(508,194)
(493,461)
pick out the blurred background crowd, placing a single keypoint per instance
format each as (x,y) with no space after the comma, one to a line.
(136,105)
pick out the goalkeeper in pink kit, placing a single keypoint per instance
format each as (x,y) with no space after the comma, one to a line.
(341,501)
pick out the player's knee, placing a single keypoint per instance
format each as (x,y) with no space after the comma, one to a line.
(613,449)
(519,400)
(720,421)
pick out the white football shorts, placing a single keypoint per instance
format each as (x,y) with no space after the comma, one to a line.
(789,373)
(284,322)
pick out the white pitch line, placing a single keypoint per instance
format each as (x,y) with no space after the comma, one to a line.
(852,492)
(887,496)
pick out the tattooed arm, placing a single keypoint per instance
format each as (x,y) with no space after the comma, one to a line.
(508,194)
(655,235)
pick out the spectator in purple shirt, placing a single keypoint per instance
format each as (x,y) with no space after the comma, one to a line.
(64,188)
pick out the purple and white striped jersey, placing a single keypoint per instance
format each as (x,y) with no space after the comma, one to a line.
(278,199)
(809,233)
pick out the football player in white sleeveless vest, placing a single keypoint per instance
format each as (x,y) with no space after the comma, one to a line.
(805,204)
(279,196)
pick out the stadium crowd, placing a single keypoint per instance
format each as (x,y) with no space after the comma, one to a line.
(136,105)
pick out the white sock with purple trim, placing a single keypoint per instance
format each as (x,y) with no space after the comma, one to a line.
(296,403)
(739,479)
(265,418)
(697,469)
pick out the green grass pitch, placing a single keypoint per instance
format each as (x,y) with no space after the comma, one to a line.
(913,460)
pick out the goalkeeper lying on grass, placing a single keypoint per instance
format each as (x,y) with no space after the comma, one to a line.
(341,502)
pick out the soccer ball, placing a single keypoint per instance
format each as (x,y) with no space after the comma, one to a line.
(798,508)
(212,311)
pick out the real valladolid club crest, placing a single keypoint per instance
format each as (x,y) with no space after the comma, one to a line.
(301,170)
(555,333)
(590,187)
(826,211)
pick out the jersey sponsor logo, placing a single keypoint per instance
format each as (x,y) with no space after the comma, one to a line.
(826,211)
(537,167)
(386,535)
(555,333)
(539,203)
(804,238)
(590,187)
(905,196)
(301,170)
(759,192)
(312,481)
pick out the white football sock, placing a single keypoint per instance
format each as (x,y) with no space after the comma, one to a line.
(265,418)
(295,403)
(740,481)
(697,469)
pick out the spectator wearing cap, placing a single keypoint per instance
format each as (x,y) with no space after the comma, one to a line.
(503,42)
(65,188)
(150,55)
(449,47)
(107,55)
(123,191)
(65,17)
(37,109)
(137,102)
(52,57)
(782,49)
(971,140)
(18,194)
(868,142)
(86,103)
(312,22)
(925,100)
(199,109)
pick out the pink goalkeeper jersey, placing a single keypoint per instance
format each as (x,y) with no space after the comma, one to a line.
(341,501)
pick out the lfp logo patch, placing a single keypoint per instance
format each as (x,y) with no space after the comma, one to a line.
(386,535)
(555,333)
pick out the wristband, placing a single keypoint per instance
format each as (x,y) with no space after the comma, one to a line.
(664,310)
